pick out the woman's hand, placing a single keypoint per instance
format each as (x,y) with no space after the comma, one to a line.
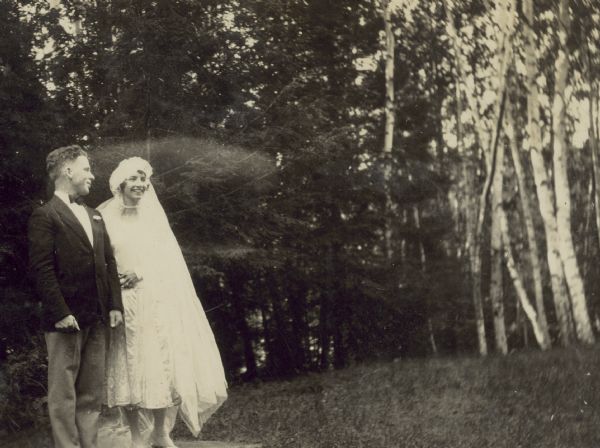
(128,279)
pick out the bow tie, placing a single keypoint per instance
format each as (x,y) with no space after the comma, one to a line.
(76,200)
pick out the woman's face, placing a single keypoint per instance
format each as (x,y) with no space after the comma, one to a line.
(134,188)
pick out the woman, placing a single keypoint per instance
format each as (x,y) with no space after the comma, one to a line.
(165,358)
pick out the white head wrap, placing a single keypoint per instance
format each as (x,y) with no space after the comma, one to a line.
(125,169)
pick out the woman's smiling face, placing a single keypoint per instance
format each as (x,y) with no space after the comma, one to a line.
(134,187)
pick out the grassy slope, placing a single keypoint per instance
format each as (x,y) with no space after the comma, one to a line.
(549,400)
(523,400)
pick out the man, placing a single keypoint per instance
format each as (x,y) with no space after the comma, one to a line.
(75,274)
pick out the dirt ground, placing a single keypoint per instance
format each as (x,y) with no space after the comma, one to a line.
(112,435)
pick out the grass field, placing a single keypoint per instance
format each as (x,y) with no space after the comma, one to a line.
(522,400)
(549,400)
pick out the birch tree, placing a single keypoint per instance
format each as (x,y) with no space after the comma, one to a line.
(423,261)
(540,335)
(467,184)
(544,191)
(496,290)
(561,182)
(533,253)
(592,130)
(495,158)
(389,124)
(468,170)
(504,55)
(486,140)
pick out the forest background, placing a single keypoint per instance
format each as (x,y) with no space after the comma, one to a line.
(349,179)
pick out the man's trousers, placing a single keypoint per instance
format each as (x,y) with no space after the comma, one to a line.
(75,385)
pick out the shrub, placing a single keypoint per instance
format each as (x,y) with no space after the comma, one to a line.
(23,387)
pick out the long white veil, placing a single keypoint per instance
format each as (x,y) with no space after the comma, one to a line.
(199,378)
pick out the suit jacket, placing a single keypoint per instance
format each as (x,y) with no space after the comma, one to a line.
(71,276)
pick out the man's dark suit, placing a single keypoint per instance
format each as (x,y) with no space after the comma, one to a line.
(72,277)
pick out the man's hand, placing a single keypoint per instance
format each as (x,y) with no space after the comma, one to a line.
(116,318)
(128,279)
(67,324)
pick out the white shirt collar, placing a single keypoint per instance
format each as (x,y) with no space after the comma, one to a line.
(80,213)
(64,196)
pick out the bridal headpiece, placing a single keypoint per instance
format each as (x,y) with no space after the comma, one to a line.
(125,169)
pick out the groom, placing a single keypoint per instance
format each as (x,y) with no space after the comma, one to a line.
(75,274)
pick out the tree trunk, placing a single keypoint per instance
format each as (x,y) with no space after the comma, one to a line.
(483,199)
(423,259)
(284,359)
(403,242)
(595,156)
(588,240)
(148,150)
(340,352)
(496,289)
(470,191)
(540,337)
(542,182)
(389,125)
(324,339)
(487,143)
(328,311)
(592,130)
(534,258)
(340,318)
(270,364)
(561,183)
(300,331)
(237,289)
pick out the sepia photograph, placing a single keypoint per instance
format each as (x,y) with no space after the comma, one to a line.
(299,223)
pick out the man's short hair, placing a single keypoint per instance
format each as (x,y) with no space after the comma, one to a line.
(57,159)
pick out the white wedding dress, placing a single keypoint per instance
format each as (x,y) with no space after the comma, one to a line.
(165,355)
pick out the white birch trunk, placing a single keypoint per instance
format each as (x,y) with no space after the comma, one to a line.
(542,182)
(389,125)
(423,259)
(561,183)
(494,164)
(529,310)
(533,255)
(595,155)
(471,215)
(585,265)
(496,290)
(592,131)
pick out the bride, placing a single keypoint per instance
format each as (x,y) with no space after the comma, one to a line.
(164,360)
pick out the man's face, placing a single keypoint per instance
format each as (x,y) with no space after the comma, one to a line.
(80,174)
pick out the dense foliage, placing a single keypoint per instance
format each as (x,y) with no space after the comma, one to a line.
(264,123)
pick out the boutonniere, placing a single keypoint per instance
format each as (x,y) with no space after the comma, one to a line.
(97,218)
